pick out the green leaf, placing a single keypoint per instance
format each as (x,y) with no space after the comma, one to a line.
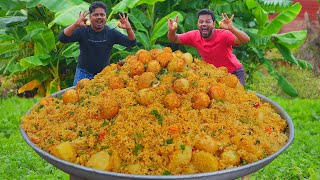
(141,17)
(143,39)
(43,37)
(72,51)
(284,17)
(305,64)
(261,16)
(60,5)
(161,28)
(138,24)
(11,20)
(286,53)
(31,61)
(286,86)
(190,21)
(251,4)
(69,16)
(291,39)
(12,4)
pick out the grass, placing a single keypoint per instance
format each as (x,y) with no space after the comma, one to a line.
(299,161)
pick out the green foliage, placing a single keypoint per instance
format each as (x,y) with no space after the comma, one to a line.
(306,82)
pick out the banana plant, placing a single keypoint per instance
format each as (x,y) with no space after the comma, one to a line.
(30,45)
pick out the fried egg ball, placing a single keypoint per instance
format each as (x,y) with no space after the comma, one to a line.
(116,83)
(204,161)
(216,92)
(206,143)
(178,53)
(230,80)
(108,107)
(200,100)
(181,86)
(171,101)
(146,80)
(144,56)
(176,65)
(164,59)
(145,97)
(153,66)
(136,68)
(167,50)
(70,96)
(155,53)
(81,84)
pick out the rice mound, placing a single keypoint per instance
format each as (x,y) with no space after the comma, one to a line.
(153,123)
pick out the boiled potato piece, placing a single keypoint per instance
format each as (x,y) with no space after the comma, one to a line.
(100,160)
(204,161)
(64,151)
(181,156)
(70,96)
(206,143)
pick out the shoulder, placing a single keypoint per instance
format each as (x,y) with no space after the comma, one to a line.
(190,34)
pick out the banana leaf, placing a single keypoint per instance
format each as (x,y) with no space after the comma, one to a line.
(283,18)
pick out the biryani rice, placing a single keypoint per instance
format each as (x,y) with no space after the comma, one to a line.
(151,139)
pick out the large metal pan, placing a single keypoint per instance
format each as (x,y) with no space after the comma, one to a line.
(82,172)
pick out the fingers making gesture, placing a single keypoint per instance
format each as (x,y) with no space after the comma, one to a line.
(124,21)
(172,24)
(226,22)
(82,18)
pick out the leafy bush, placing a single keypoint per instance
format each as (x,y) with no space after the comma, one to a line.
(7,87)
(305,81)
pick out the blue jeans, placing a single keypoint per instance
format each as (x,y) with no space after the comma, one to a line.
(81,74)
(241,75)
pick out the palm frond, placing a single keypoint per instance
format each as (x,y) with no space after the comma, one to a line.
(281,3)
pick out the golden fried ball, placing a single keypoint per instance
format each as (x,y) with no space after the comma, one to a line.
(171,101)
(136,68)
(164,59)
(178,53)
(176,65)
(181,86)
(81,84)
(108,107)
(153,66)
(145,97)
(216,92)
(200,100)
(46,101)
(116,83)
(229,80)
(167,50)
(144,56)
(70,96)
(155,53)
(146,80)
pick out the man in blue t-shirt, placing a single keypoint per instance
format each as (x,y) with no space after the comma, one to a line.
(96,40)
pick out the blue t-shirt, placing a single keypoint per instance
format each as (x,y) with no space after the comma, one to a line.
(95,47)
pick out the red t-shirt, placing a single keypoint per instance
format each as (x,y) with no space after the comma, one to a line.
(216,51)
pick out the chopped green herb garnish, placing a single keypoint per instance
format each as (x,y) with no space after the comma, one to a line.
(182,147)
(258,141)
(166,173)
(158,116)
(105,123)
(195,84)
(212,134)
(137,148)
(169,141)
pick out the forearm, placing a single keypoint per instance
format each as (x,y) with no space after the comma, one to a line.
(131,35)
(172,36)
(241,36)
(70,29)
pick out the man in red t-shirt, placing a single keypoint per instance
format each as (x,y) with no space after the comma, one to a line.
(214,45)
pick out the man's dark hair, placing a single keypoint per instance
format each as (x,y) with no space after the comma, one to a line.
(97,4)
(207,11)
